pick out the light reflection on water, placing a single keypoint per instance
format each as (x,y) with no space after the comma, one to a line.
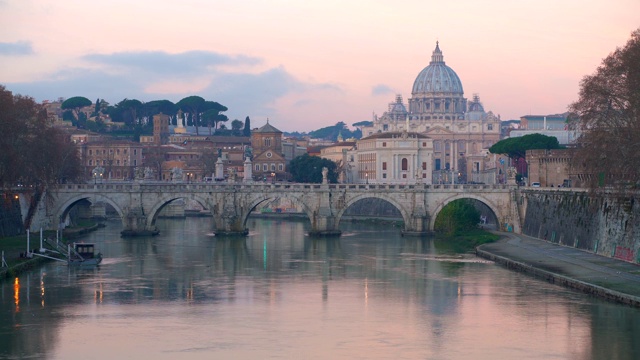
(370,294)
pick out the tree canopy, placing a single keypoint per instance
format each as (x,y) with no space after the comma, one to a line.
(34,153)
(308,169)
(459,215)
(332,132)
(607,114)
(517,147)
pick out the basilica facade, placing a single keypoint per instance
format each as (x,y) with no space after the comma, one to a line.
(457,133)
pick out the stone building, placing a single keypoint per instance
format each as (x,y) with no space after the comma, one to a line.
(551,168)
(269,163)
(461,130)
(114,160)
(391,158)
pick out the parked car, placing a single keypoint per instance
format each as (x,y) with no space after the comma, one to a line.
(535,184)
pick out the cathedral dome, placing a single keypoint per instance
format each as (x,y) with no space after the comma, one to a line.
(437,77)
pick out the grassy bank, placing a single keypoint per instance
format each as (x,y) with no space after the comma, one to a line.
(464,242)
(15,247)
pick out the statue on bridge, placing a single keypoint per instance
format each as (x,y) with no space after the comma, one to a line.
(176,174)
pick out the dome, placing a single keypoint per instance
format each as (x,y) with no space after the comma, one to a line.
(397,108)
(437,77)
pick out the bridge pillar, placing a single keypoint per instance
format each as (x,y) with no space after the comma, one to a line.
(135,224)
(418,224)
(229,221)
(323,222)
(324,225)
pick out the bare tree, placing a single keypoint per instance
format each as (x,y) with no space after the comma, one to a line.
(607,115)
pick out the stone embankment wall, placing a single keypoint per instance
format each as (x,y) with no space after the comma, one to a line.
(606,225)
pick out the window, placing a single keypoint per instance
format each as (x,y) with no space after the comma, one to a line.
(135,151)
(489,127)
(424,144)
(384,144)
(405,164)
(404,176)
(90,162)
(384,175)
(90,152)
(135,162)
(118,162)
(273,167)
(384,165)
(257,167)
(424,166)
(267,142)
(265,167)
(280,167)
(438,164)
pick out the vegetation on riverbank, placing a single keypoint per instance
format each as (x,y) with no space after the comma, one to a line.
(14,247)
(457,228)
(463,241)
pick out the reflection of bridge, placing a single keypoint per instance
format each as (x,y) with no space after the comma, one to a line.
(138,204)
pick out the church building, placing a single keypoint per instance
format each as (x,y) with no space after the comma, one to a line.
(458,131)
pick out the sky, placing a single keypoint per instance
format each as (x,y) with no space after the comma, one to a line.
(308,64)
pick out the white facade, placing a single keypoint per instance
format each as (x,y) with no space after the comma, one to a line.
(391,158)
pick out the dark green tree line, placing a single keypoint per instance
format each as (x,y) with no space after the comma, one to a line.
(308,169)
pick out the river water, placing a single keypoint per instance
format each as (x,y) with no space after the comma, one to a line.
(278,294)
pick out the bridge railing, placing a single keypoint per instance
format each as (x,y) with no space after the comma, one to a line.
(261,186)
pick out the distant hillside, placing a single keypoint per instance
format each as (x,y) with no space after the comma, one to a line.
(330,133)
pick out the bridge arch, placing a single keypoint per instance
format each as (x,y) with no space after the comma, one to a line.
(262,197)
(447,200)
(166,199)
(62,211)
(406,217)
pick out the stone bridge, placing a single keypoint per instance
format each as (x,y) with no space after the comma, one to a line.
(139,204)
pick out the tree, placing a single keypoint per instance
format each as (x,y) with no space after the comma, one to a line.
(75,104)
(34,154)
(459,215)
(246,131)
(212,114)
(236,125)
(194,106)
(308,169)
(517,147)
(607,114)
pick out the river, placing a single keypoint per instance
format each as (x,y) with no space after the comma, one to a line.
(278,294)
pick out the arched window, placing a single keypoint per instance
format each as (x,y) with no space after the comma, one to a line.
(405,164)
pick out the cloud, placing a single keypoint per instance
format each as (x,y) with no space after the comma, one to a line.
(381,89)
(17,48)
(233,81)
(159,62)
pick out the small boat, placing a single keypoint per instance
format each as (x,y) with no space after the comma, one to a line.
(84,254)
(77,254)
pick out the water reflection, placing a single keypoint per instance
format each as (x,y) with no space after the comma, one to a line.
(278,293)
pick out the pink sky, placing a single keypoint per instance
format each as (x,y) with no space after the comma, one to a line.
(308,64)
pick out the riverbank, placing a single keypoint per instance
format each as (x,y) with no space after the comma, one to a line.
(600,276)
(15,248)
